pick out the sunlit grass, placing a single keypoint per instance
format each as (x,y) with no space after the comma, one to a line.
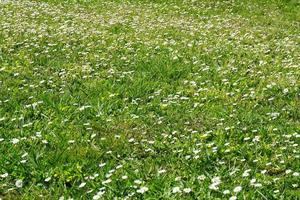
(149,99)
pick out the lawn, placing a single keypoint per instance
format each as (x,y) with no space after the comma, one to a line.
(161,99)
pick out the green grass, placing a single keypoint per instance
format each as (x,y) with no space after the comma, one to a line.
(170,93)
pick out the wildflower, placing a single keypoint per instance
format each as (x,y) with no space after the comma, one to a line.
(131,140)
(45,141)
(176,190)
(4,175)
(252,181)
(48,179)
(138,182)
(187,190)
(296,174)
(23,161)
(142,190)
(246,173)
(98,195)
(216,181)
(15,140)
(237,189)
(119,166)
(201,177)
(226,192)
(84,107)
(213,187)
(233,198)
(19,183)
(106,181)
(257,185)
(263,171)
(285,91)
(82,185)
(102,164)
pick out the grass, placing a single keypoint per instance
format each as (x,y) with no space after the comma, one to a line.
(149,99)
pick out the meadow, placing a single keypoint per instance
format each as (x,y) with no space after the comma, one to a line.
(141,99)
